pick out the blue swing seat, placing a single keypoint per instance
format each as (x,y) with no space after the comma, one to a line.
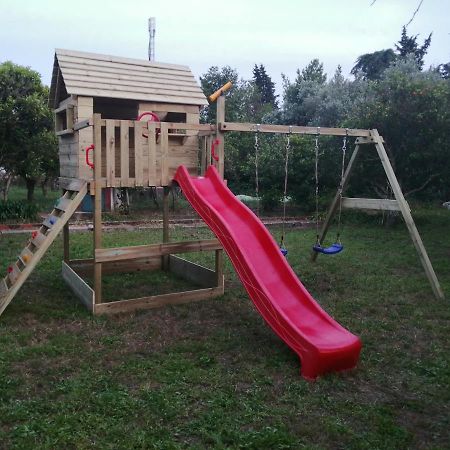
(331,250)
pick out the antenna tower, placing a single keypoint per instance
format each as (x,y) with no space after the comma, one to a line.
(151,42)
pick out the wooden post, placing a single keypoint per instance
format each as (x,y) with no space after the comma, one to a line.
(166,237)
(97,205)
(219,268)
(335,202)
(220,148)
(66,243)
(406,212)
(203,153)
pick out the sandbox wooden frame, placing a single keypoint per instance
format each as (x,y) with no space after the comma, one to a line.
(158,256)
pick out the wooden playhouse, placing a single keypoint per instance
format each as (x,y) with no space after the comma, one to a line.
(122,123)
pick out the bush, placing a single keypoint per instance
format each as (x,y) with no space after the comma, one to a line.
(17,210)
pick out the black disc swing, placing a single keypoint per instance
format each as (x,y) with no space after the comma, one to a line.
(337,247)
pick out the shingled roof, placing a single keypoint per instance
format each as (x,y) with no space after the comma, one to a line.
(94,75)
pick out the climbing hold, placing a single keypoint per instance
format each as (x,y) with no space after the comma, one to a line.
(52,220)
(284,251)
(34,234)
(25,258)
(10,269)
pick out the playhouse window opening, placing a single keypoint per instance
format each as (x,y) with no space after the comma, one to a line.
(117,109)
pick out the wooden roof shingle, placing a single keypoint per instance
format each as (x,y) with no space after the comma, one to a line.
(94,75)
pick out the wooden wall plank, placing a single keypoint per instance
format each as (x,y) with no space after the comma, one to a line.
(157,301)
(141,251)
(124,151)
(110,152)
(79,287)
(164,142)
(138,150)
(151,162)
(190,271)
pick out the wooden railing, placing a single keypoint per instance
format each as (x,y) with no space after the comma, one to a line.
(135,153)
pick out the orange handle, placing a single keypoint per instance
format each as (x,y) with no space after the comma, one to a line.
(219,92)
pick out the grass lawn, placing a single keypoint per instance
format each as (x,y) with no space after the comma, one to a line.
(212,374)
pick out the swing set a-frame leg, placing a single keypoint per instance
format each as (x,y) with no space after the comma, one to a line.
(407,217)
(335,203)
(402,206)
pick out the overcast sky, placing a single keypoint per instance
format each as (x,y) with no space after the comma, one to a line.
(282,34)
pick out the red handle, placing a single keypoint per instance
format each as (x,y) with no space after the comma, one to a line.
(153,118)
(213,148)
(91,147)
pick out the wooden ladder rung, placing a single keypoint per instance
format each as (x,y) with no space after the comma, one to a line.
(50,221)
(38,239)
(26,255)
(13,273)
(74,185)
(63,203)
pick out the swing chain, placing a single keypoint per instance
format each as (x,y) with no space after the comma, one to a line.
(341,184)
(256,167)
(316,173)
(286,167)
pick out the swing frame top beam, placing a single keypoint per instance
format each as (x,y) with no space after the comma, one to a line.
(293,129)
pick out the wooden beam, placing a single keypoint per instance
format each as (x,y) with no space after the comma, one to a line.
(379,204)
(79,287)
(167,248)
(220,148)
(406,212)
(85,267)
(268,128)
(97,206)
(157,301)
(170,125)
(82,124)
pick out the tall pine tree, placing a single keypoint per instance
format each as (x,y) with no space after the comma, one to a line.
(407,45)
(265,86)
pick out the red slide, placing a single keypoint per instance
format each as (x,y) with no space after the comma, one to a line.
(321,343)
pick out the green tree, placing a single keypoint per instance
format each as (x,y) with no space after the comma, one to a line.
(407,45)
(28,146)
(370,66)
(265,86)
(313,72)
(411,110)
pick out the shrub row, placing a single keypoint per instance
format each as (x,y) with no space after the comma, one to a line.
(17,210)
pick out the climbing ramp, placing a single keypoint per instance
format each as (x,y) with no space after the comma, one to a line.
(40,241)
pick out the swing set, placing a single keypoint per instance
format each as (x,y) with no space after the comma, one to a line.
(365,140)
(337,246)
